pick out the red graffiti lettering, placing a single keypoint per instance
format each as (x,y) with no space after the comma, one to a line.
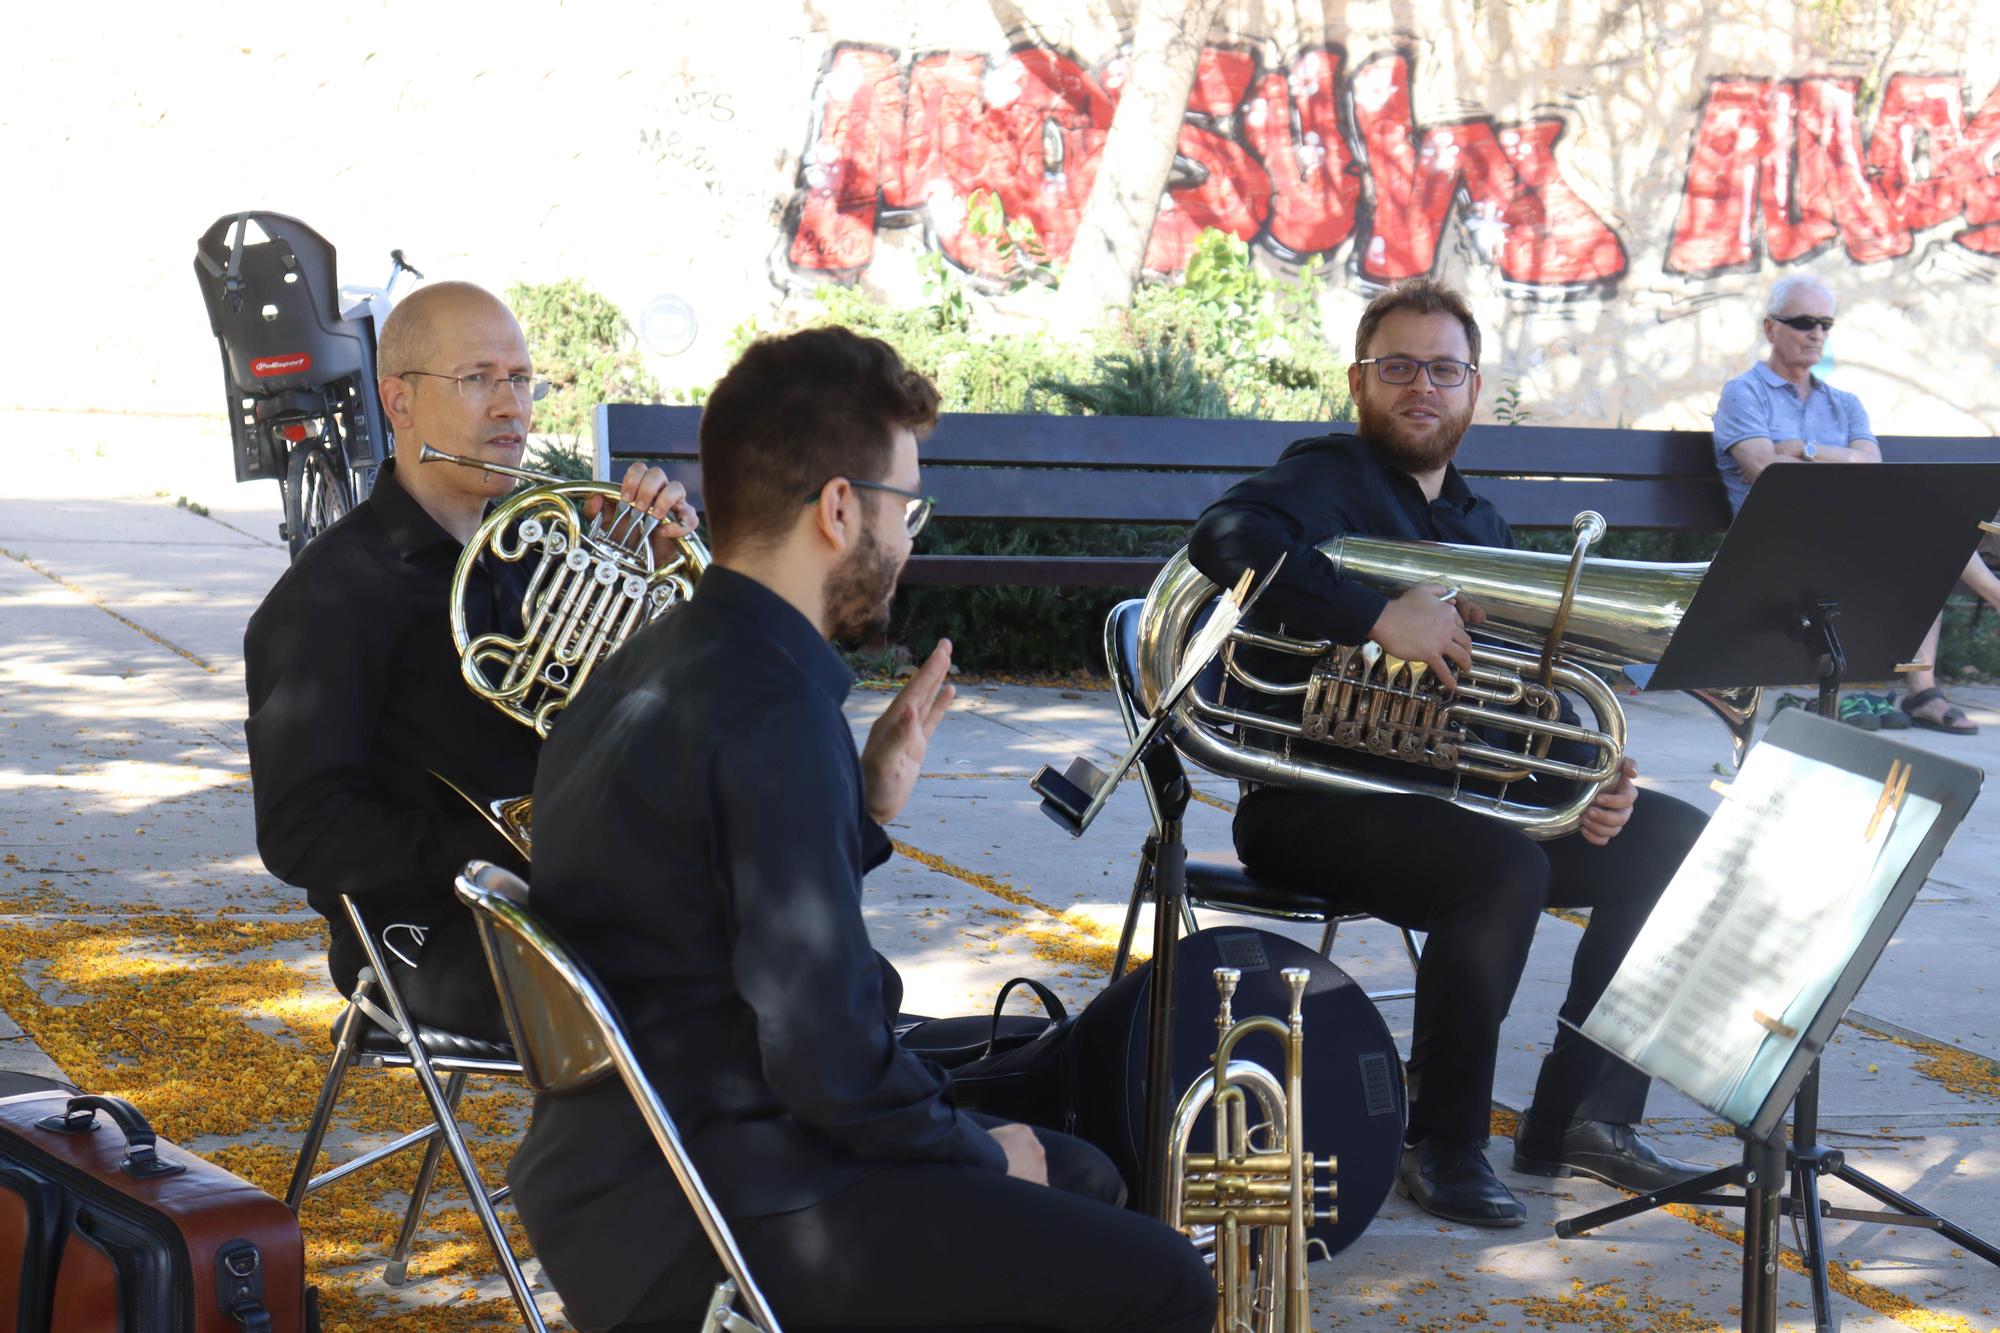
(1922,122)
(859,137)
(1789,153)
(1260,157)
(1515,203)
(1215,183)
(1292,124)
(1979,167)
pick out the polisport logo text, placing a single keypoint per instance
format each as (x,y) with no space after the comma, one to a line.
(266,366)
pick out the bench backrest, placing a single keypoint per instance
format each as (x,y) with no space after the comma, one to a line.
(1167,470)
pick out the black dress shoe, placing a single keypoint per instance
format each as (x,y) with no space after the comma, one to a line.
(1452,1180)
(1614,1154)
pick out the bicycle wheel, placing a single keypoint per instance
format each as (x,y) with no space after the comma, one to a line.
(316,493)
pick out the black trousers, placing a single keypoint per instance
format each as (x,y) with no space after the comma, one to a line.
(1478,887)
(952,1247)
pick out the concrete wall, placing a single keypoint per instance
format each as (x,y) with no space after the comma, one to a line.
(1615,181)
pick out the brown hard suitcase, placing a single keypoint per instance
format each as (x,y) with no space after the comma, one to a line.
(106,1229)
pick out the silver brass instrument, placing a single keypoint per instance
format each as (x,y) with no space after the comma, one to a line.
(1253,1202)
(1561,614)
(594,582)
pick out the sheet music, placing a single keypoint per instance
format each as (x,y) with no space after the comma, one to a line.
(1750,936)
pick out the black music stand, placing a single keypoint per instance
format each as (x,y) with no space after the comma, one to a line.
(1827,572)
(1075,797)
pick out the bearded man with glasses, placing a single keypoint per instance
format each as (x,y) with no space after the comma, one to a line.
(1779,412)
(355,692)
(1477,886)
(861,1196)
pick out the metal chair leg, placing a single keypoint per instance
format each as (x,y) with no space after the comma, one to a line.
(329,1095)
(1326,940)
(1142,889)
(397,1271)
(475,1187)
(1416,950)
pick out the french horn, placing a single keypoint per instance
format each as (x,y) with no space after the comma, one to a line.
(1556,617)
(594,582)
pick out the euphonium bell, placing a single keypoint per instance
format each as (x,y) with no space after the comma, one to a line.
(1563,614)
(1250,1202)
(595,581)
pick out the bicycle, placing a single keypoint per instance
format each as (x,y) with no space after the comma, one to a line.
(298,364)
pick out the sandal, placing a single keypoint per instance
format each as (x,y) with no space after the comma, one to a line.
(1953,722)
(1856,711)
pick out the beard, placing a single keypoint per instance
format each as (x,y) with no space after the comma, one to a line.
(1408,452)
(858,592)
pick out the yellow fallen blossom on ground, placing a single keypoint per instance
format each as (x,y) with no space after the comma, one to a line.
(208,1027)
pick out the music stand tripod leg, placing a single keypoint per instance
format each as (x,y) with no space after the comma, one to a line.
(1169,885)
(1808,1160)
(1688,1191)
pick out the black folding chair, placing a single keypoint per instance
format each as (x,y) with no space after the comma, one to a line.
(1215,880)
(570,1037)
(371,1035)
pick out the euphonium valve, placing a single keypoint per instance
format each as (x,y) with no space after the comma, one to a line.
(1555,616)
(1252,1202)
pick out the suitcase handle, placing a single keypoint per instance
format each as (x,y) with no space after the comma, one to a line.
(141,1161)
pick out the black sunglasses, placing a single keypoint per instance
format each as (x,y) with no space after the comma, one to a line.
(1806,323)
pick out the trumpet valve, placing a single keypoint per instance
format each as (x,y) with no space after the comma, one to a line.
(1295,981)
(1225,984)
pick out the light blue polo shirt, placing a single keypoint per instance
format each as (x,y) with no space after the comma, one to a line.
(1761,403)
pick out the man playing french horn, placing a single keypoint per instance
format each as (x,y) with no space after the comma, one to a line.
(356,696)
(1475,884)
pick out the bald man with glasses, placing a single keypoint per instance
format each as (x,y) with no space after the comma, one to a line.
(1779,413)
(355,692)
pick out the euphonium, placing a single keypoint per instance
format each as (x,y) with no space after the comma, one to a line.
(594,582)
(1252,1202)
(1563,614)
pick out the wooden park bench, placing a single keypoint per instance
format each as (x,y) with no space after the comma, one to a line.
(1129,470)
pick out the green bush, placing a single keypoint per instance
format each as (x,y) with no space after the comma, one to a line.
(1159,381)
(586,351)
(1226,341)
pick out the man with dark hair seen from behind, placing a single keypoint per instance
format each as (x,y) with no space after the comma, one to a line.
(1779,413)
(355,692)
(1478,886)
(741,965)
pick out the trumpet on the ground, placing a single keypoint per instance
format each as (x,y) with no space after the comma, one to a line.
(1251,1202)
(595,581)
(1560,615)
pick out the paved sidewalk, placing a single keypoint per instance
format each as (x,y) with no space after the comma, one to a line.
(123,786)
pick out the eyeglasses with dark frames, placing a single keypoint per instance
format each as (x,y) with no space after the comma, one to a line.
(1806,323)
(483,386)
(916,508)
(1444,373)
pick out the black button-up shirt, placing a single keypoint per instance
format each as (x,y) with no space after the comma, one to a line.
(701,833)
(355,692)
(1321,488)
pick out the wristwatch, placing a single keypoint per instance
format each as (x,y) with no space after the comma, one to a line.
(1808,450)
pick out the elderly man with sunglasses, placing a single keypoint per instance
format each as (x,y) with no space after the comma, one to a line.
(1779,412)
